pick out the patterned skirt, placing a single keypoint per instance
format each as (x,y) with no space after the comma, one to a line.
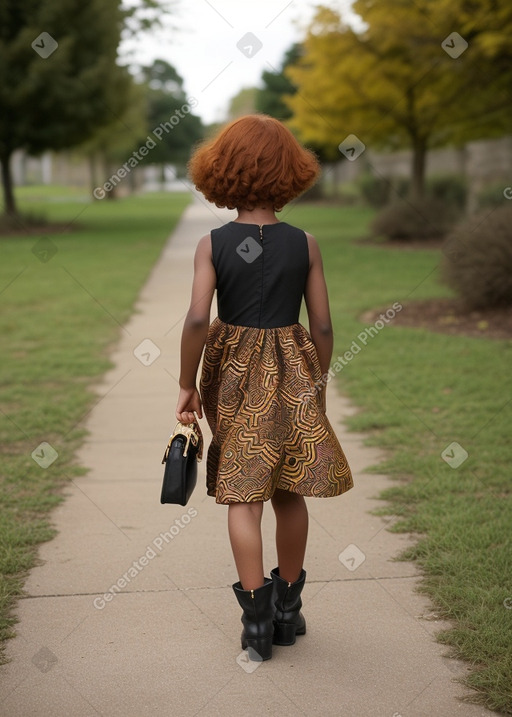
(260,397)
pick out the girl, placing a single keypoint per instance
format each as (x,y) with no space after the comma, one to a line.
(261,383)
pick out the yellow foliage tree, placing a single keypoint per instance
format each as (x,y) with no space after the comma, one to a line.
(407,80)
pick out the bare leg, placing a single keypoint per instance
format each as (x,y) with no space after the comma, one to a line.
(291,532)
(244,526)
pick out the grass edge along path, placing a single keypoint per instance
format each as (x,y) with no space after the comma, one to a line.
(424,396)
(419,392)
(64,299)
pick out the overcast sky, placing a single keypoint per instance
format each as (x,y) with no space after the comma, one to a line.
(200,40)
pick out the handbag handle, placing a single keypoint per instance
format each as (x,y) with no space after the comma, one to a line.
(192,434)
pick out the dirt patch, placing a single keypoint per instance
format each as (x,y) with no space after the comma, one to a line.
(450,316)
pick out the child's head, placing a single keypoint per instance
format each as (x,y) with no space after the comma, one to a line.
(254,161)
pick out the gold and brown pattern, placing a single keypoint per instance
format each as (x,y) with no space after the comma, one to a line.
(269,428)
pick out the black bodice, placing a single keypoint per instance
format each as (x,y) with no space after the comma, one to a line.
(261,273)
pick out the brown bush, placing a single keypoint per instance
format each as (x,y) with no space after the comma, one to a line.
(405,220)
(478,260)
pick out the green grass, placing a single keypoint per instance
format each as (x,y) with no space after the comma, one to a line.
(421,391)
(58,319)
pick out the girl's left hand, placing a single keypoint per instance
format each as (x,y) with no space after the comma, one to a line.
(189,403)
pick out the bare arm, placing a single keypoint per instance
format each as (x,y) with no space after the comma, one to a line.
(317,304)
(195,330)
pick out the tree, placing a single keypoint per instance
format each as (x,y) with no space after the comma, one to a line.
(277,88)
(142,15)
(112,143)
(169,114)
(392,84)
(60,78)
(276,85)
(487,27)
(243,103)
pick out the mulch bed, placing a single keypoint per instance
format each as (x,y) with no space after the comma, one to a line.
(450,316)
(21,230)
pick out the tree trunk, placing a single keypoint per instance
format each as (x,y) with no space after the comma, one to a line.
(92,172)
(419,163)
(112,194)
(7,184)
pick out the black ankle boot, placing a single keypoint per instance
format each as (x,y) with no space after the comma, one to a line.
(288,619)
(257,620)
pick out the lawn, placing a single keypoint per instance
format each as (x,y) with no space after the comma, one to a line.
(420,393)
(64,299)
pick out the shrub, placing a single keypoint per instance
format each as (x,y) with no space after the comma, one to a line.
(348,195)
(401,187)
(449,188)
(405,221)
(313,194)
(379,191)
(492,196)
(376,191)
(478,260)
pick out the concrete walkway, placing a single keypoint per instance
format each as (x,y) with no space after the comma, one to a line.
(165,641)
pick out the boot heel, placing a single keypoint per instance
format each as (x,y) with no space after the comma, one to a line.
(259,650)
(284,633)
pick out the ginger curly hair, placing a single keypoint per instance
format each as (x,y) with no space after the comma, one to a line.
(254,161)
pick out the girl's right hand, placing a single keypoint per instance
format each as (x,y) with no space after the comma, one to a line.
(189,403)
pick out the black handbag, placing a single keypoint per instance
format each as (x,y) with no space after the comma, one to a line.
(184,450)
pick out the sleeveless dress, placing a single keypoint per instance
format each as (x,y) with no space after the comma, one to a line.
(261,371)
